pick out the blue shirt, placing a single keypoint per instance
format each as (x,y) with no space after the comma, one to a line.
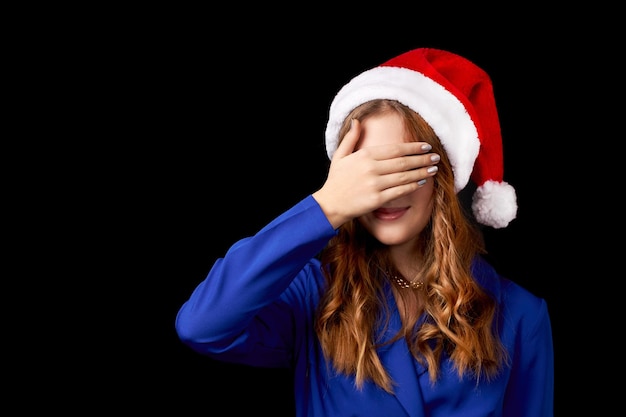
(257,306)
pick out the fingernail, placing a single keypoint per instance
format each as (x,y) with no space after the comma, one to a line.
(432,169)
(421,182)
(434,157)
(426,147)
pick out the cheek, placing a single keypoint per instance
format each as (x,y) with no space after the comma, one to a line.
(422,201)
(424,194)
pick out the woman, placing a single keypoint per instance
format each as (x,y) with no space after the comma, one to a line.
(373,288)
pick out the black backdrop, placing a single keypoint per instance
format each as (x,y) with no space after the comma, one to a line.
(228,135)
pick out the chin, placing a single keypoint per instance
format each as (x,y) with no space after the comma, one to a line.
(391,239)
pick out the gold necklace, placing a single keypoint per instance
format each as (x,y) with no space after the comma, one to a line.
(403,283)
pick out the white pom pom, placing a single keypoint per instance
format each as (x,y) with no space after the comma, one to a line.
(494,204)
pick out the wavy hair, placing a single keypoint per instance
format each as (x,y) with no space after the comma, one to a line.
(455,317)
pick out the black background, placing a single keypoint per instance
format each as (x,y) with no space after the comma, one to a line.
(207,132)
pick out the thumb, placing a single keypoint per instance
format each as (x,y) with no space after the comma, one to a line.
(349,141)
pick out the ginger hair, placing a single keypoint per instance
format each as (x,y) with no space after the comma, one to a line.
(353,313)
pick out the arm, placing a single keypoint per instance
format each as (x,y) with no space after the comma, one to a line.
(530,391)
(242,304)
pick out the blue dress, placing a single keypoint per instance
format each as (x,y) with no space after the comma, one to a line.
(257,304)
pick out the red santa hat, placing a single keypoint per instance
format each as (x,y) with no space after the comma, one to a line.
(456,99)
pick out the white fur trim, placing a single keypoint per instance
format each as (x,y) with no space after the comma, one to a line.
(443,111)
(494,204)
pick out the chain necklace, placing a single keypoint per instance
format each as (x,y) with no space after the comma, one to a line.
(404,283)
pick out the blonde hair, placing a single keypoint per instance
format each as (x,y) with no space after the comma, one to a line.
(353,313)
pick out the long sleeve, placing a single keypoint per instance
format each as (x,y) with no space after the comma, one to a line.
(255,298)
(530,391)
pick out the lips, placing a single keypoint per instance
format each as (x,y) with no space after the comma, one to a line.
(390,213)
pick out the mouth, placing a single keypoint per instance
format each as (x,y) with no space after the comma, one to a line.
(389,213)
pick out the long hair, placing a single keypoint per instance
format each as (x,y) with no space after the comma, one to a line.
(353,314)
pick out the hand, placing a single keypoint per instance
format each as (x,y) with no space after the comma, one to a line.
(361,181)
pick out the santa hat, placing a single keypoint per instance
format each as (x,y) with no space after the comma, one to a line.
(456,99)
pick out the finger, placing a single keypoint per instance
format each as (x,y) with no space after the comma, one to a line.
(412,178)
(407,163)
(349,141)
(398,191)
(399,149)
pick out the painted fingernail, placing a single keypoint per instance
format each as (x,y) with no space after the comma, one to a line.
(421,182)
(432,169)
(426,147)
(434,157)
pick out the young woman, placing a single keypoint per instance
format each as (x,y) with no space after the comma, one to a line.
(373,289)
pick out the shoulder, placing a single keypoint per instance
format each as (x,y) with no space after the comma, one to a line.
(524,317)
(511,297)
